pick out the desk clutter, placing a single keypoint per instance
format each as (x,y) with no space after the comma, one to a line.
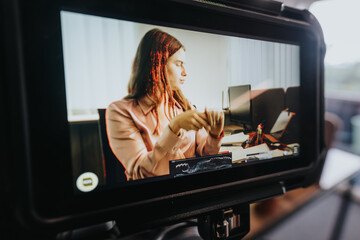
(258,145)
(259,152)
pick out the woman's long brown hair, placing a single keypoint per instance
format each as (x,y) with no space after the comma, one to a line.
(149,68)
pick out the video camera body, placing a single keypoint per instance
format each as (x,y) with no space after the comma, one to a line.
(275,51)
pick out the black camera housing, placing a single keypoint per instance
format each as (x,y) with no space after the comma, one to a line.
(37,156)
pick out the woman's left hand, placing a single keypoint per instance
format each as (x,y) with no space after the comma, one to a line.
(216,121)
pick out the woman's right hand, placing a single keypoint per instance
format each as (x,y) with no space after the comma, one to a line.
(189,120)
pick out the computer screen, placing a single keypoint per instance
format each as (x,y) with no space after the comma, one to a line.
(240,104)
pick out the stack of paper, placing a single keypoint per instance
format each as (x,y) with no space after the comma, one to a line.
(242,154)
(236,138)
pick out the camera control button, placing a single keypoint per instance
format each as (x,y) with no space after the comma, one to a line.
(87,182)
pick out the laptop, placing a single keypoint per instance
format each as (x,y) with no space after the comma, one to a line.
(281,124)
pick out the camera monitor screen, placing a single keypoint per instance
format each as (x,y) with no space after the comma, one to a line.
(146,102)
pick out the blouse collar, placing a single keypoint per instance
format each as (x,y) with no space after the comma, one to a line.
(146,104)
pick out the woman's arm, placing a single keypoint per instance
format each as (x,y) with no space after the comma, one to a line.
(208,143)
(216,121)
(138,156)
(189,120)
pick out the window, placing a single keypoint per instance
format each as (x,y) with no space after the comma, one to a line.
(339,19)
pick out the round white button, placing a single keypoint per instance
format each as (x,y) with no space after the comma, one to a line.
(87,182)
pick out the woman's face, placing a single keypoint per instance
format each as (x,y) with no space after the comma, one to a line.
(175,70)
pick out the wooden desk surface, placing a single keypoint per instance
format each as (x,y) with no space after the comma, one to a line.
(232,128)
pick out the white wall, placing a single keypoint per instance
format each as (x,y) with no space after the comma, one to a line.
(263,64)
(98,53)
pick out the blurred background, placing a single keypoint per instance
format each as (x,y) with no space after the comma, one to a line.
(329,209)
(338,19)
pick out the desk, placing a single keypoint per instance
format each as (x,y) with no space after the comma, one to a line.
(338,166)
(259,152)
(240,155)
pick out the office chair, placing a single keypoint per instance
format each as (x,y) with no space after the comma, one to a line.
(292,99)
(267,104)
(292,102)
(114,170)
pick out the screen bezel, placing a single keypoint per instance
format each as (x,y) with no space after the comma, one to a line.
(50,158)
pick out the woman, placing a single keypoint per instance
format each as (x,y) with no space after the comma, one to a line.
(155,123)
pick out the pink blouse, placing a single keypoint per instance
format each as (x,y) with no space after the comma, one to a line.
(130,129)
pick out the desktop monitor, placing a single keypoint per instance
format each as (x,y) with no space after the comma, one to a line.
(73,58)
(240,104)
